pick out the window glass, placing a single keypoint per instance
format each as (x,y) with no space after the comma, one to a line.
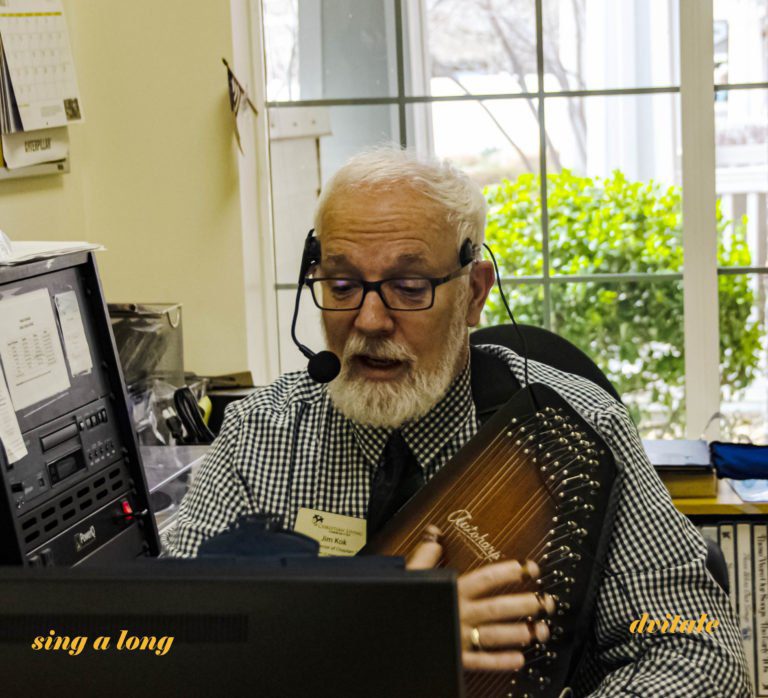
(526,301)
(329,49)
(740,41)
(743,357)
(614,198)
(634,332)
(741,156)
(489,139)
(307,146)
(473,47)
(604,44)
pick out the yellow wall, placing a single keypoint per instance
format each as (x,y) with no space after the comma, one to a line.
(154,168)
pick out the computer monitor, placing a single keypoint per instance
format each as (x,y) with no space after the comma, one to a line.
(237,630)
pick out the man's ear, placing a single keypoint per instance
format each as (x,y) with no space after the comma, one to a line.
(481,280)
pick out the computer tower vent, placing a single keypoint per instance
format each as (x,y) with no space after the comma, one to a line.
(73,505)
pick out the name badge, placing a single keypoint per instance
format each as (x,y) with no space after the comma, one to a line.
(336,533)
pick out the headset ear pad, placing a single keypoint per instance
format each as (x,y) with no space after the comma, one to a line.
(313,251)
(466,253)
(310,256)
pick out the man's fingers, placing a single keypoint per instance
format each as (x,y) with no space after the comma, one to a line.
(500,635)
(425,557)
(507,607)
(428,553)
(483,581)
(493,661)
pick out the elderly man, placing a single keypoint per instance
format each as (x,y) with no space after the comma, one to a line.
(405,385)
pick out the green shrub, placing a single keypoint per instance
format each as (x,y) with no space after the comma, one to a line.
(633,330)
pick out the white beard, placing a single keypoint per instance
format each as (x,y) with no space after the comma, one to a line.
(389,404)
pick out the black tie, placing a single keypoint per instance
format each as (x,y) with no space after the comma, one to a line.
(398,478)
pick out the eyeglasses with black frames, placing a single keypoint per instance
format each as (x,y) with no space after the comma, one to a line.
(407,293)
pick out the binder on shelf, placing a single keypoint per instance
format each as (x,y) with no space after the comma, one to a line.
(745,549)
(727,542)
(746,593)
(709,532)
(760,550)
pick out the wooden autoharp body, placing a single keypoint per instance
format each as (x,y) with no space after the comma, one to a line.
(535,483)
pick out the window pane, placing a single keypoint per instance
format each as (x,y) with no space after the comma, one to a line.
(472,47)
(743,357)
(329,49)
(490,140)
(281,48)
(526,301)
(604,44)
(637,134)
(613,193)
(740,41)
(513,225)
(496,142)
(741,123)
(634,332)
(307,145)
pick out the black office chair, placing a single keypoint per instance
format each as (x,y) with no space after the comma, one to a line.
(548,348)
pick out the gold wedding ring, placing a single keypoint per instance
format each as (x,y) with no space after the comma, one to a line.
(474,638)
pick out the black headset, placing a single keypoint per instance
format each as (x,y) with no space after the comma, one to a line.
(324,366)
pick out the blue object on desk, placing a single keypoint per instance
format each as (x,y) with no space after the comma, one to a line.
(739,461)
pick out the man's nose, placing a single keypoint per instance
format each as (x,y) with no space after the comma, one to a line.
(374,317)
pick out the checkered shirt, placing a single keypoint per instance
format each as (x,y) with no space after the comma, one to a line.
(287,447)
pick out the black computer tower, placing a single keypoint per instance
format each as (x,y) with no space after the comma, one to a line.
(79,495)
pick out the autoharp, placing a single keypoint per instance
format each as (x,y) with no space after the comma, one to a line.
(535,483)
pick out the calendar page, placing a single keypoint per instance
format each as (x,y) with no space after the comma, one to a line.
(39,62)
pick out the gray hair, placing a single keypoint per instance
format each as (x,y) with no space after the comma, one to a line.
(461,198)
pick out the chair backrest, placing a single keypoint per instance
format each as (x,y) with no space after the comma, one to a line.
(546,347)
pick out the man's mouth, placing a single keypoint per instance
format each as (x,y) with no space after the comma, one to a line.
(378,364)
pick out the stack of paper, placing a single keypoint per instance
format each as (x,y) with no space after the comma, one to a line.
(19,252)
(38,86)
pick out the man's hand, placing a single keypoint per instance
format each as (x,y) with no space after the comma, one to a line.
(494,629)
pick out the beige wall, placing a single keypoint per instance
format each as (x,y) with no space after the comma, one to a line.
(153,168)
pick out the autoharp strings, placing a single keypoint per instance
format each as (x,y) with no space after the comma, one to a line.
(562,459)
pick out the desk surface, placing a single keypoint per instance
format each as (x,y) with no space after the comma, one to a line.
(727,503)
(164,464)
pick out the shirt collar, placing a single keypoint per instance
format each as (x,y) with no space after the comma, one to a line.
(426,436)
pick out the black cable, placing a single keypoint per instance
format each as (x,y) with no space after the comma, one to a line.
(520,336)
(189,414)
(509,312)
